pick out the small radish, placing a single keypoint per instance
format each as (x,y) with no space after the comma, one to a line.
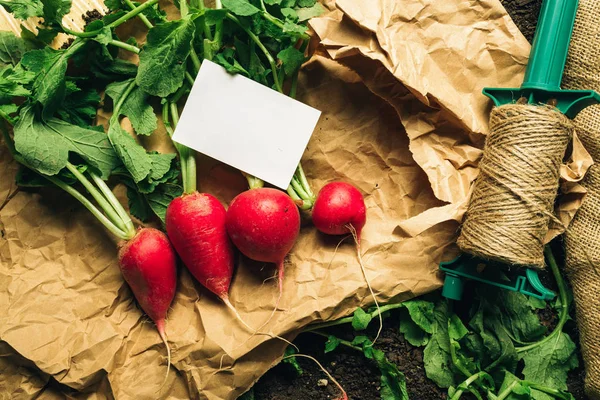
(149,265)
(196,226)
(264,224)
(340,209)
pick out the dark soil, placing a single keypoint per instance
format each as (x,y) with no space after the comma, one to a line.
(359,376)
(91,16)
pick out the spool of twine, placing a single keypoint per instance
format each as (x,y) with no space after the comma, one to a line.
(513,199)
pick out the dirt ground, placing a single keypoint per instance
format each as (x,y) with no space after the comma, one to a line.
(358,376)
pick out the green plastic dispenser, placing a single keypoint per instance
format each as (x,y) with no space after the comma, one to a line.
(541,85)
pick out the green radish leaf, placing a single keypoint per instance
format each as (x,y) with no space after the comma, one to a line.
(23,9)
(518,317)
(12,83)
(104,66)
(291,15)
(292,360)
(162,171)
(12,48)
(331,344)
(133,155)
(436,356)
(9,108)
(79,106)
(213,17)
(272,2)
(45,145)
(43,38)
(413,333)
(422,313)
(292,60)
(155,14)
(163,58)
(456,329)
(144,205)
(114,4)
(549,363)
(306,3)
(230,64)
(55,10)
(294,29)
(242,8)
(392,381)
(162,196)
(136,106)
(50,67)
(105,36)
(361,341)
(304,14)
(518,391)
(360,320)
(288,3)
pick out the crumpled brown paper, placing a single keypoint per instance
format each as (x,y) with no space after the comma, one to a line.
(430,61)
(399,85)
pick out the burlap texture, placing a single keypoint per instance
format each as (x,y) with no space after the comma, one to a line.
(583,237)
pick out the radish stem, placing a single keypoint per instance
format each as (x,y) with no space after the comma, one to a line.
(144,19)
(188,159)
(564,303)
(125,46)
(262,47)
(102,202)
(110,196)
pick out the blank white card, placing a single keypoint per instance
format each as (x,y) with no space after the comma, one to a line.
(246,125)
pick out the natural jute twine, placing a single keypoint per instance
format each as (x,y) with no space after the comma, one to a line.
(583,236)
(513,199)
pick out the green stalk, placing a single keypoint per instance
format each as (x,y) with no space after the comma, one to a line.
(125,46)
(304,182)
(187,155)
(73,192)
(348,320)
(102,202)
(219,26)
(195,60)
(87,204)
(144,19)
(262,47)
(506,392)
(465,385)
(189,78)
(298,188)
(564,307)
(207,32)
(132,13)
(344,342)
(254,182)
(114,202)
(135,11)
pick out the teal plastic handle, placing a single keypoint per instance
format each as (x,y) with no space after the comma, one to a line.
(550,45)
(547,60)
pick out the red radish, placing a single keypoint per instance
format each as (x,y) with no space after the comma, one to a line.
(264,224)
(196,226)
(340,209)
(149,265)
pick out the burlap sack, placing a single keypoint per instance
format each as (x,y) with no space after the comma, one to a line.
(583,237)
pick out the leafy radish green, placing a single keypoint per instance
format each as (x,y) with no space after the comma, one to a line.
(163,58)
